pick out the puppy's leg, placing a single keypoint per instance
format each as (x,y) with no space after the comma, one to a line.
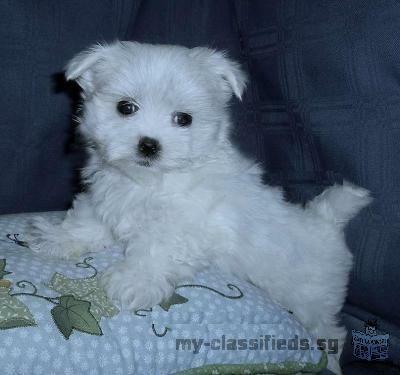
(333,337)
(320,316)
(80,232)
(143,280)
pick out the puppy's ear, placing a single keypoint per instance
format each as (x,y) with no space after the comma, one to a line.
(80,68)
(232,77)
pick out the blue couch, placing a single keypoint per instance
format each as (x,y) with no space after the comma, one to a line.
(323,105)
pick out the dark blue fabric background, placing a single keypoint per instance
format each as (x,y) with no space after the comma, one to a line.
(323,103)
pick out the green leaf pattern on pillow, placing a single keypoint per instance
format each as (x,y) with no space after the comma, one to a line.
(86,290)
(81,303)
(13,313)
(72,313)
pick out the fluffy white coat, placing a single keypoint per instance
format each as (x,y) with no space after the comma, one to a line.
(201,202)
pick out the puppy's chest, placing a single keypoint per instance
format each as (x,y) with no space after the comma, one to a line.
(133,209)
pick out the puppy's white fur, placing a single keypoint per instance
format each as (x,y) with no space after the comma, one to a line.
(200,202)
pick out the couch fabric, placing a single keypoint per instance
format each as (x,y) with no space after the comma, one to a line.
(323,104)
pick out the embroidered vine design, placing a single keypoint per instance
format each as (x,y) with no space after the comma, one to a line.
(14,238)
(141,312)
(85,264)
(230,286)
(23,283)
(81,303)
(166,329)
(71,311)
(177,299)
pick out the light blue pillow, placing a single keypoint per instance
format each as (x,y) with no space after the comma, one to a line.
(54,319)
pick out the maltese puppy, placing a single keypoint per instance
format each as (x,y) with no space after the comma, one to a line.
(164,181)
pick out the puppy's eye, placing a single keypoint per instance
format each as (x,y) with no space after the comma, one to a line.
(126,107)
(182,119)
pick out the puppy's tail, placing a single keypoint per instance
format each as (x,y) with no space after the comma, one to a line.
(340,203)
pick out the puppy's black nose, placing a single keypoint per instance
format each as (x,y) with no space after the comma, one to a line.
(149,147)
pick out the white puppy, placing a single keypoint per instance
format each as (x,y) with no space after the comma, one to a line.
(164,181)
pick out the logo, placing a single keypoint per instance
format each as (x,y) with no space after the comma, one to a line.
(369,345)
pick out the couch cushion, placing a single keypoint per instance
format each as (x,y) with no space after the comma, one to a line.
(54,318)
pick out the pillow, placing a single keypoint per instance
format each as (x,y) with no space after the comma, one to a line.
(54,319)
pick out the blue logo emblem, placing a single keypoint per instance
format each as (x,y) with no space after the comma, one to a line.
(369,345)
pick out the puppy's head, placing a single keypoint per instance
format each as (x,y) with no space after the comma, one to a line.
(154,106)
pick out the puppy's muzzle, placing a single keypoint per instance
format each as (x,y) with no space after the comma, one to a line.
(149,147)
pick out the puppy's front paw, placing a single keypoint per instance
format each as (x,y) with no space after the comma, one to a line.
(134,288)
(46,238)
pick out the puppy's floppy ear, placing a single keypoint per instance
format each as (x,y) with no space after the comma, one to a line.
(233,78)
(80,68)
